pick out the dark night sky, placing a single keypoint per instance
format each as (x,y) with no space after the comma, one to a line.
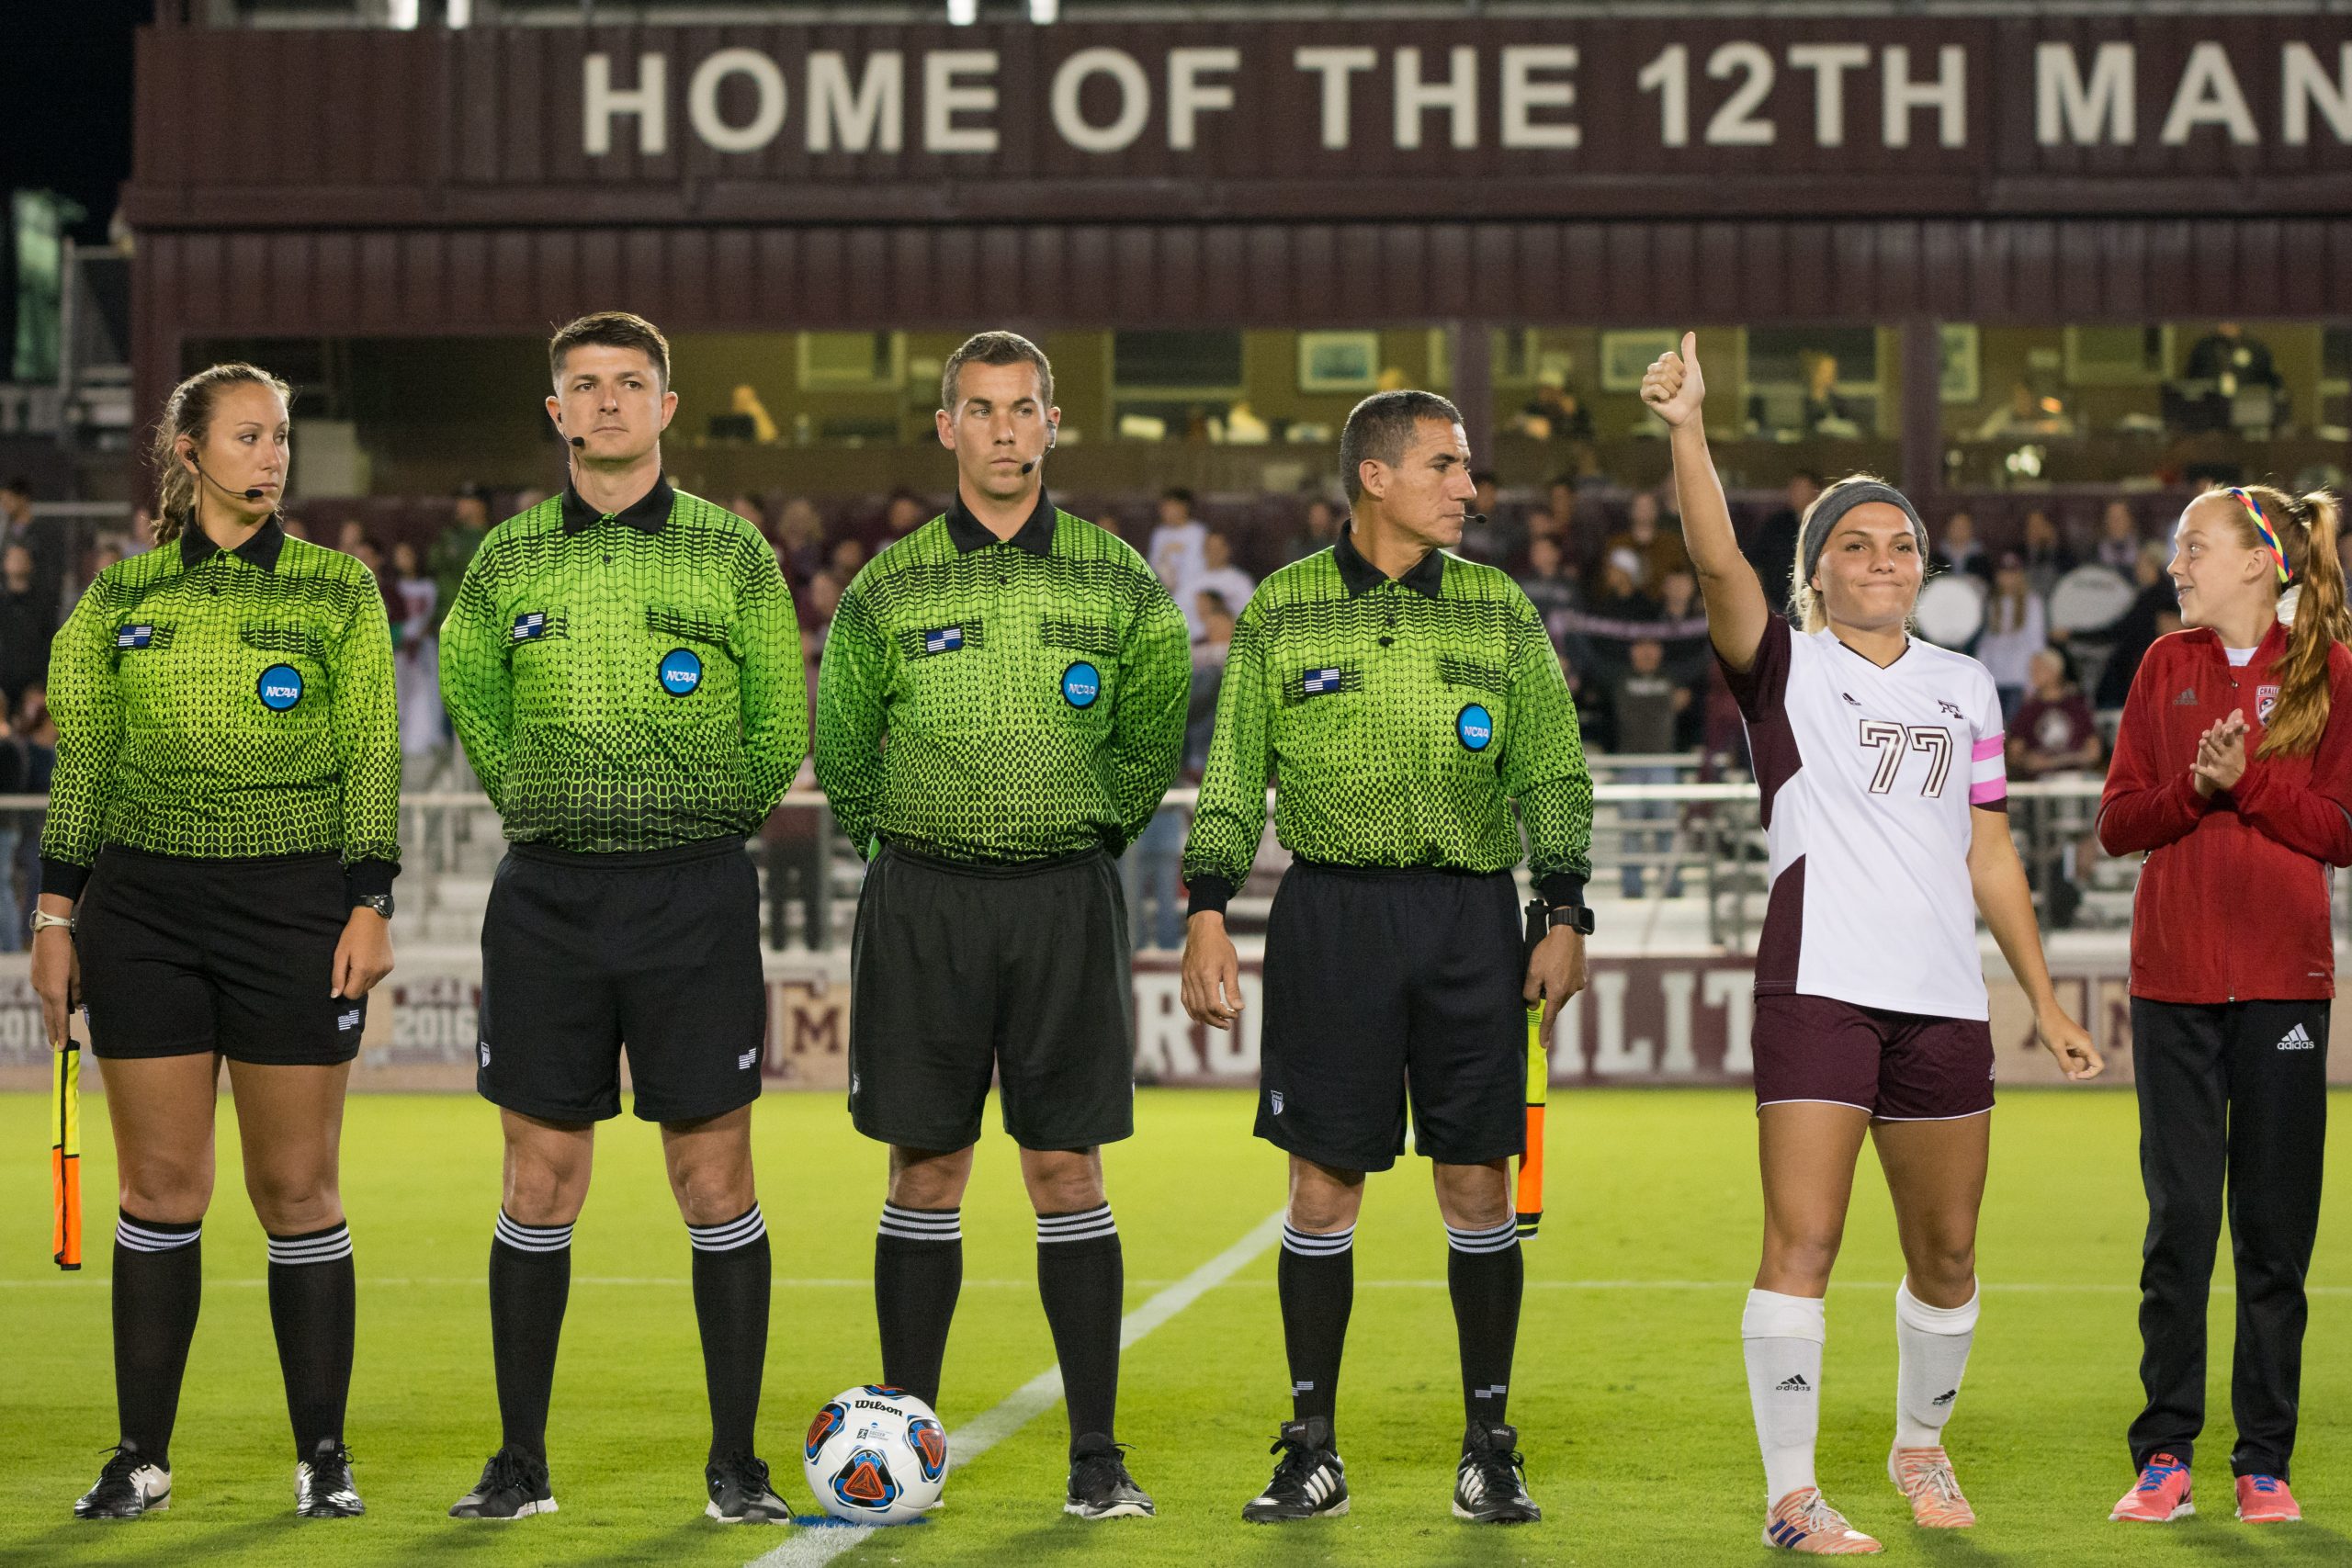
(65,103)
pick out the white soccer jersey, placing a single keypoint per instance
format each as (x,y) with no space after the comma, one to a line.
(1868,778)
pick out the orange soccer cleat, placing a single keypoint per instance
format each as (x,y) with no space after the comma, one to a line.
(2161,1496)
(1925,1476)
(1803,1522)
(2265,1500)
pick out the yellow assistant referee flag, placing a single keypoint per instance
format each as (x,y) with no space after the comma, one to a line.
(65,1155)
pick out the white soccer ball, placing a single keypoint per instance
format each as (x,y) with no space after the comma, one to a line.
(876,1456)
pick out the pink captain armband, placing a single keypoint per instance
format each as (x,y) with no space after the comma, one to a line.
(1988,775)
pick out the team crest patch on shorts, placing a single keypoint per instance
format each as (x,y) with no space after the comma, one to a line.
(1081,685)
(1474,728)
(279,688)
(2265,699)
(681,671)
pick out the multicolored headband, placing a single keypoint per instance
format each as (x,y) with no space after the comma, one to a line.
(2262,526)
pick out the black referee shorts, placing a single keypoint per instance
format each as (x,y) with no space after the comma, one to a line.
(181,955)
(659,950)
(961,972)
(1385,984)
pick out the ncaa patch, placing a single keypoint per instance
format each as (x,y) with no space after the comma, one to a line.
(529,627)
(2265,699)
(279,688)
(1474,728)
(139,636)
(681,671)
(945,639)
(1081,685)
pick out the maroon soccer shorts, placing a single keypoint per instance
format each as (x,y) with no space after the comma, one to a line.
(1899,1067)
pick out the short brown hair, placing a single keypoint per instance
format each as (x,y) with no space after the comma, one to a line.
(610,329)
(995,348)
(1382,427)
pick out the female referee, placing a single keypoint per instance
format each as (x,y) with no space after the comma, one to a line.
(1879,759)
(2232,773)
(216,882)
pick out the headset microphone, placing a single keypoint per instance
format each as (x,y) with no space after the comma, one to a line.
(251,493)
(581,442)
(1053,434)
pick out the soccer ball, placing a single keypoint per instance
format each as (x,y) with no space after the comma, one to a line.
(876,1456)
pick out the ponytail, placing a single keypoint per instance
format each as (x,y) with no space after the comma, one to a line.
(189,412)
(2306,527)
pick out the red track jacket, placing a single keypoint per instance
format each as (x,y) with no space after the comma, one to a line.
(2232,903)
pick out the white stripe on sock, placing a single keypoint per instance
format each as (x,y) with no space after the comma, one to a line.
(1311,1243)
(1502,1238)
(730,1234)
(139,1238)
(1087,1226)
(922,1224)
(532,1238)
(326,1248)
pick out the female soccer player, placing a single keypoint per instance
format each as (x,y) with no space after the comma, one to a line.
(2232,773)
(1879,759)
(216,882)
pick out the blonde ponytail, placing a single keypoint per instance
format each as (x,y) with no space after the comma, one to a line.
(189,412)
(2306,527)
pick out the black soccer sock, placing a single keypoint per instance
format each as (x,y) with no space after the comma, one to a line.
(530,1281)
(918,1273)
(1081,1276)
(313,1307)
(1315,1277)
(732,1308)
(1485,1274)
(158,1285)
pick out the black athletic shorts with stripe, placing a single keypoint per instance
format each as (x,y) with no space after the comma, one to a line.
(656,951)
(1388,985)
(962,973)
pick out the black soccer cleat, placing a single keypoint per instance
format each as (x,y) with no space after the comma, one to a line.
(322,1484)
(1490,1486)
(1309,1480)
(514,1485)
(128,1486)
(1099,1486)
(740,1494)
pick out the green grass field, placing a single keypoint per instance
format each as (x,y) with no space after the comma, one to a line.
(1629,1392)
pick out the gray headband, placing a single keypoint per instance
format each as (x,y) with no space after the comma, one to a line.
(1836,503)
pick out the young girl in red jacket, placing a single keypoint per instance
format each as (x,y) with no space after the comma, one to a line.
(2232,773)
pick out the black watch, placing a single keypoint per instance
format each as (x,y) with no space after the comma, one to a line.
(1575,917)
(379,902)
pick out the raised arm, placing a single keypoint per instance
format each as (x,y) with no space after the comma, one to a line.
(1736,610)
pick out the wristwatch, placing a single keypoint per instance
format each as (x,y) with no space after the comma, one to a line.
(379,902)
(1575,917)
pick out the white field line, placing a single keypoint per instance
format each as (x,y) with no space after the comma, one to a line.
(812,1548)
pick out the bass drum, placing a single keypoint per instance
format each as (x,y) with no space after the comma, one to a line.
(2090,598)
(1952,610)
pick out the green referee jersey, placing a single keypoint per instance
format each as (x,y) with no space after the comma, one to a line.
(1002,700)
(226,705)
(1402,718)
(626,681)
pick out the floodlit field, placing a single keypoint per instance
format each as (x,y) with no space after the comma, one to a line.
(1629,1392)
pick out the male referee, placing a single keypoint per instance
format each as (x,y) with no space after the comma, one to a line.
(1000,709)
(623,666)
(1410,698)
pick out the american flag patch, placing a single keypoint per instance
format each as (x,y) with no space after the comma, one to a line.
(1315,683)
(945,639)
(526,627)
(134,636)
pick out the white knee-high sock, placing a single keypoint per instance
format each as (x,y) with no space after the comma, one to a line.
(1933,1344)
(1782,1338)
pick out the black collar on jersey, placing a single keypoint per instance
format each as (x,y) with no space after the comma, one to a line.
(647,513)
(970,534)
(262,549)
(1426,577)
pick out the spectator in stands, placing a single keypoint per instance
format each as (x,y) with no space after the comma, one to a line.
(527,499)
(2053,731)
(1682,630)
(416,660)
(38,733)
(1174,549)
(2119,537)
(747,506)
(28,621)
(1544,583)
(1484,536)
(2017,626)
(901,515)
(2045,554)
(1152,869)
(2027,414)
(454,550)
(1958,551)
(826,587)
(2141,625)
(295,527)
(1656,549)
(2231,360)
(16,766)
(1775,553)
(1556,413)
(799,542)
(1647,707)
(1319,529)
(17,528)
(1217,575)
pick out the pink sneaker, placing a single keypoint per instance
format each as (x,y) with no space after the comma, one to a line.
(2161,1496)
(1802,1522)
(2265,1500)
(1924,1475)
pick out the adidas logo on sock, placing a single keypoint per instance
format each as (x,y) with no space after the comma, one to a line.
(1795,1386)
(2298,1039)
(1945,1398)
